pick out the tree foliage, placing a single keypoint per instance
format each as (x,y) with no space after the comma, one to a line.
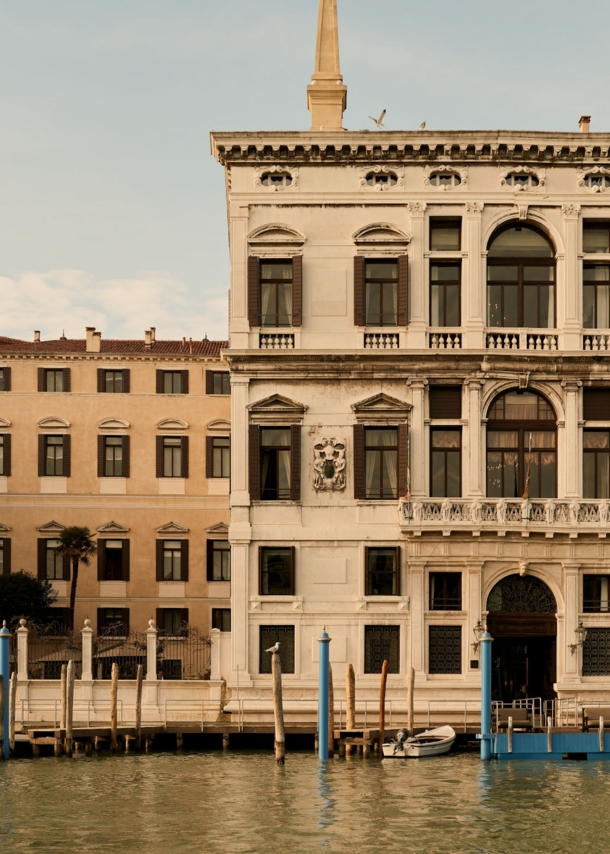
(23,595)
(78,545)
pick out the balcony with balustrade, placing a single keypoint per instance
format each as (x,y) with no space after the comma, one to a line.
(548,516)
(522,339)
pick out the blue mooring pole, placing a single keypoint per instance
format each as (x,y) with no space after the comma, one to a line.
(485,642)
(5,637)
(324,641)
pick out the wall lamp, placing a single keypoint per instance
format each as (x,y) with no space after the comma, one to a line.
(478,633)
(581,634)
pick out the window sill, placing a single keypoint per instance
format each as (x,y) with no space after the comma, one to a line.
(53,485)
(448,612)
(172,486)
(172,590)
(113,589)
(218,486)
(113,486)
(271,501)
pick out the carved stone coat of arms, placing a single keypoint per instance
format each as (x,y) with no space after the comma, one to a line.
(329,465)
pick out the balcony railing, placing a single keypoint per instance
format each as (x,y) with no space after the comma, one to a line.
(521,339)
(381,340)
(596,341)
(442,339)
(276,341)
(552,515)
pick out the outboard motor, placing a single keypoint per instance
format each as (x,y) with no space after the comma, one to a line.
(401,736)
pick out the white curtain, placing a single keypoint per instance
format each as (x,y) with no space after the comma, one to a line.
(266,291)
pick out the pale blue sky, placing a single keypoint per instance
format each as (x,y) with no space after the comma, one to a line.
(112,212)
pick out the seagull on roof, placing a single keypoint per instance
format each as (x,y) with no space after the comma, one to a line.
(275,648)
(422,126)
(379,122)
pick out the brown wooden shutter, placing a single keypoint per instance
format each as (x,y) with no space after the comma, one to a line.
(125,619)
(403,439)
(209,382)
(8,382)
(41,379)
(209,559)
(359,313)
(254,314)
(359,481)
(185,456)
(596,404)
(67,455)
(297,290)
(403,290)
(101,620)
(8,448)
(160,548)
(398,571)
(209,456)
(184,563)
(101,559)
(160,377)
(293,554)
(67,567)
(127,381)
(126,562)
(184,385)
(159,456)
(41,460)
(254,462)
(101,448)
(101,380)
(184,617)
(67,384)
(446,401)
(6,548)
(42,559)
(295,462)
(159,620)
(126,456)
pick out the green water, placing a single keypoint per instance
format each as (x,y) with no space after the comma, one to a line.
(240,803)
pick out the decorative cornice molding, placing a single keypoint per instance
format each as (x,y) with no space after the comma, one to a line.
(474,209)
(221,529)
(539,174)
(383,233)
(285,171)
(571,211)
(171,528)
(173,424)
(276,234)
(4,423)
(446,169)
(113,424)
(417,209)
(381,406)
(398,171)
(53,422)
(52,527)
(113,528)
(219,425)
(277,409)
(4,529)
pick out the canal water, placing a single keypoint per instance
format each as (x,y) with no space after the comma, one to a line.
(241,803)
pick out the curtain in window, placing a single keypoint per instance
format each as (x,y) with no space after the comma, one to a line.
(266,291)
(391,471)
(284,472)
(372,472)
(285,303)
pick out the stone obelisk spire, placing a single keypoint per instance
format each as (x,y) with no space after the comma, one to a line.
(327,96)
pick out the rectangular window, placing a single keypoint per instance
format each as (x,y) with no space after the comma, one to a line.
(172,382)
(275,463)
(172,456)
(173,622)
(54,561)
(381,643)
(5,556)
(218,382)
(446,401)
(5,379)
(2,438)
(506,459)
(54,380)
(381,462)
(112,558)
(521,295)
(276,571)
(596,404)
(221,619)
(54,456)
(382,572)
(596,653)
(276,293)
(114,621)
(172,560)
(113,382)
(596,237)
(113,456)
(268,637)
(596,296)
(596,464)
(595,593)
(445,235)
(445,649)
(445,295)
(446,463)
(219,560)
(221,456)
(445,591)
(381,293)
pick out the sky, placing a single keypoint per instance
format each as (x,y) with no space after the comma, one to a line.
(112,211)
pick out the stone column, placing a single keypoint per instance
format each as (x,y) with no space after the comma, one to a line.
(474,288)
(240,618)
(240,496)
(419,449)
(571,454)
(238,297)
(417,577)
(151,652)
(215,663)
(473,447)
(569,281)
(22,651)
(566,661)
(418,279)
(475,607)
(87,647)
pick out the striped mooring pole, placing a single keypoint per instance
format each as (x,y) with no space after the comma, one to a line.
(5,637)
(324,641)
(486,736)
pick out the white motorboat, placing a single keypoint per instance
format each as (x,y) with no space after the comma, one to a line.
(433,742)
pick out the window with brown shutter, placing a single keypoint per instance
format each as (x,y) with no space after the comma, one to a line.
(160,381)
(159,456)
(359,307)
(52,566)
(113,560)
(5,555)
(596,404)
(6,440)
(209,382)
(403,290)
(126,560)
(113,382)
(160,559)
(254,314)
(67,456)
(218,560)
(113,621)
(295,463)
(446,401)
(126,381)
(113,456)
(101,380)
(126,456)
(217,382)
(5,379)
(403,460)
(67,379)
(185,456)
(41,456)
(185,382)
(41,379)
(359,480)
(101,456)
(42,559)
(209,456)
(254,462)
(297,290)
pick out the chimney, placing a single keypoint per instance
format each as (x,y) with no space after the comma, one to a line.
(327,95)
(191,346)
(37,336)
(94,340)
(147,339)
(584,124)
(153,334)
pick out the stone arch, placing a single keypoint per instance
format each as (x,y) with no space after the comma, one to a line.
(521,593)
(545,389)
(534,219)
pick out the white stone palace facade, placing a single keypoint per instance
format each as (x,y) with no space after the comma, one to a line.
(420,367)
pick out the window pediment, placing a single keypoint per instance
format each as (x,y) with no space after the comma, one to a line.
(113,528)
(113,424)
(219,530)
(4,529)
(172,424)
(172,528)
(53,422)
(380,234)
(219,425)
(276,409)
(51,527)
(4,423)
(275,234)
(382,407)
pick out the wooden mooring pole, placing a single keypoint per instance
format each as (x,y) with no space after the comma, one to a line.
(350,704)
(70,707)
(278,709)
(62,688)
(331,714)
(410,696)
(114,690)
(384,682)
(139,708)
(11,711)
(3,734)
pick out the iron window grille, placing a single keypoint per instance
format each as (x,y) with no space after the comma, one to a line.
(445,649)
(381,643)
(596,652)
(268,637)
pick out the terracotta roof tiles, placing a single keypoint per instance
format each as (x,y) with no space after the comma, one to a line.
(119,346)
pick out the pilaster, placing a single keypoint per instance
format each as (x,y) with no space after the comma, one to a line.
(573,662)
(240,496)
(474,447)
(418,320)
(417,643)
(418,437)
(473,280)
(569,281)
(572,453)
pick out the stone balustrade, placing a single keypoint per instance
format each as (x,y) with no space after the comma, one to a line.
(443,340)
(596,341)
(276,341)
(381,341)
(518,339)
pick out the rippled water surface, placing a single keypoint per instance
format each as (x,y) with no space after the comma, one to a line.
(241,803)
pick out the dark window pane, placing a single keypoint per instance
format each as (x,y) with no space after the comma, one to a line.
(113,564)
(221,619)
(276,572)
(530,306)
(595,593)
(445,591)
(445,236)
(382,572)
(588,312)
(502,274)
(445,272)
(539,274)
(221,561)
(452,317)
(268,637)
(510,314)
(596,238)
(520,242)
(445,649)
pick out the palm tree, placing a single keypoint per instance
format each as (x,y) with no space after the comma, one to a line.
(77,544)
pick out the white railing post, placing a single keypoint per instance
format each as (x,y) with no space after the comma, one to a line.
(151,652)
(22,652)
(87,647)
(215,670)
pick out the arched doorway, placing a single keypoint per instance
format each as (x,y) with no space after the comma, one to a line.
(521,619)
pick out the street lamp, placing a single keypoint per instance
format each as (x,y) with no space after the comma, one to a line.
(478,633)
(581,634)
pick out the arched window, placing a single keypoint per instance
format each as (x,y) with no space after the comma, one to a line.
(520,279)
(521,447)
